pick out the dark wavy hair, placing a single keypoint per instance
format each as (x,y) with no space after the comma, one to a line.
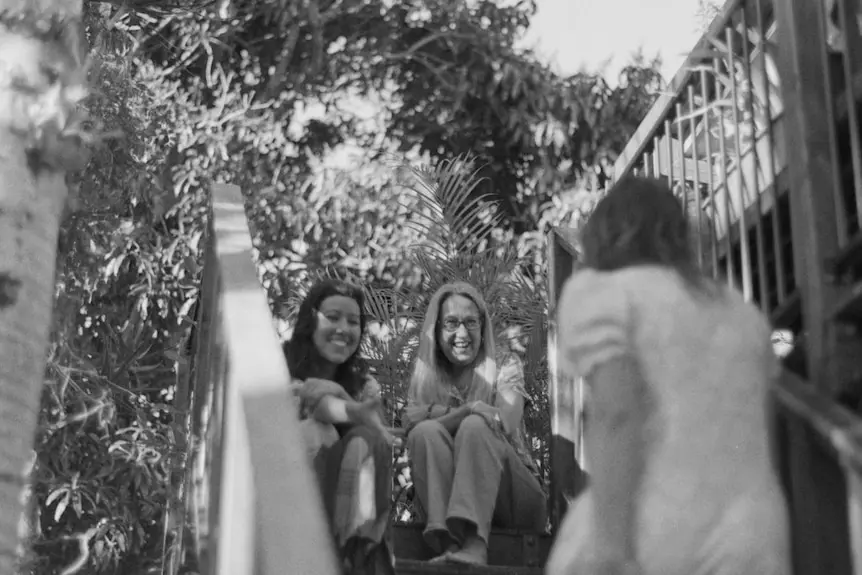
(641,222)
(303,358)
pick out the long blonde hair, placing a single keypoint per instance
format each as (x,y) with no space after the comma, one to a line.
(429,376)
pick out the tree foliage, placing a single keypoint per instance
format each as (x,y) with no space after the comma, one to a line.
(457,238)
(260,94)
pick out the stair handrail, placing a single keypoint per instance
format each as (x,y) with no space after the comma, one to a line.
(257,504)
(837,433)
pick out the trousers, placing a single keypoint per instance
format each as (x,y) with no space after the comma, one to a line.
(475,477)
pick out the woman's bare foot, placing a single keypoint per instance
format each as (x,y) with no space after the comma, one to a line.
(452,548)
(473,552)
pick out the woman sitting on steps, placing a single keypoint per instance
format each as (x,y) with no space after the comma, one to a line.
(471,467)
(342,425)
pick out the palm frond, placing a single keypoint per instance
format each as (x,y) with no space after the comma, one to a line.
(451,218)
(391,338)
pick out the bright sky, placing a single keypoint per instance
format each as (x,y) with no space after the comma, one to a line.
(575,33)
(571,34)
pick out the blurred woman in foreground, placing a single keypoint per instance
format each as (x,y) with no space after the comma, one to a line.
(681,476)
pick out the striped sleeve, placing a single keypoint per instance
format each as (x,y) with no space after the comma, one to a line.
(593,321)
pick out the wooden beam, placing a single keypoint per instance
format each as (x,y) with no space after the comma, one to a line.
(818,521)
(810,146)
(854,516)
(272,517)
(565,394)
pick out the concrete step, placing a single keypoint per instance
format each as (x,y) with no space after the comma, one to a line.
(414,567)
(507,548)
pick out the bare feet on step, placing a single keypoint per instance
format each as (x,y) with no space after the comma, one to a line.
(451,548)
(473,552)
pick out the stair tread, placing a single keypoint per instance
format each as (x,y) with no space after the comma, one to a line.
(509,548)
(494,530)
(414,567)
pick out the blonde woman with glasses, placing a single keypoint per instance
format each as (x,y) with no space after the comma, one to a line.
(471,467)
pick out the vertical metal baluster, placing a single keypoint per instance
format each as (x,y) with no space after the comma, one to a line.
(646,160)
(777,238)
(745,248)
(762,278)
(842,209)
(669,137)
(678,121)
(722,150)
(656,157)
(852,51)
(692,128)
(707,115)
(853,478)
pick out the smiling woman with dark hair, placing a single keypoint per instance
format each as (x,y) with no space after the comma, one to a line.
(471,466)
(682,480)
(342,425)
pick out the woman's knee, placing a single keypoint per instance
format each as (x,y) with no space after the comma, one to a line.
(424,431)
(357,445)
(371,438)
(360,447)
(474,424)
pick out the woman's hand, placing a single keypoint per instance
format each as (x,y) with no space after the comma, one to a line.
(485,410)
(490,414)
(367,412)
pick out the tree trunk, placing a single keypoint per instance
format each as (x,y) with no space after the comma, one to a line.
(32,197)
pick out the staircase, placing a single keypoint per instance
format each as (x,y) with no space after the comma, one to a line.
(510,552)
(232,515)
(414,567)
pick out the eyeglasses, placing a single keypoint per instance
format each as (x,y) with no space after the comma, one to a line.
(452,323)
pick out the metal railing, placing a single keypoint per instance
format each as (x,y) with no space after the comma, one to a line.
(253,504)
(819,454)
(839,49)
(746,148)
(818,449)
(717,136)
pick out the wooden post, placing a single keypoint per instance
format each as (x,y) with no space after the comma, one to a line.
(270,500)
(254,500)
(812,169)
(565,395)
(854,515)
(816,488)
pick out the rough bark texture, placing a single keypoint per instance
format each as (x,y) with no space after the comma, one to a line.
(31,205)
(56,8)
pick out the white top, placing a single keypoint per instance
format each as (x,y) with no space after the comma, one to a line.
(709,501)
